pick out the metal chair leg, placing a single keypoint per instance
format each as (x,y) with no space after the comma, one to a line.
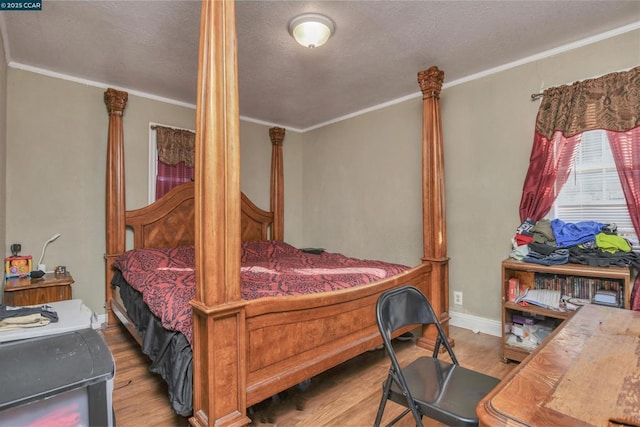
(383,401)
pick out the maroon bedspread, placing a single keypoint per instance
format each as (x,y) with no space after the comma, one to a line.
(166,278)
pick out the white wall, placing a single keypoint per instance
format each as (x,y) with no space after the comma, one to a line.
(56,151)
(255,174)
(362,176)
(362,185)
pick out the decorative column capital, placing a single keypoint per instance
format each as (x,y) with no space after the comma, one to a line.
(116,100)
(430,82)
(277,135)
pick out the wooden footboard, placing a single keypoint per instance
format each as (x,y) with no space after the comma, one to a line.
(291,339)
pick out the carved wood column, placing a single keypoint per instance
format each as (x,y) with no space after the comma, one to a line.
(433,200)
(277,183)
(116,101)
(219,347)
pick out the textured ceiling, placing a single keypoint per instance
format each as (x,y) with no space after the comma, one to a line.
(374,56)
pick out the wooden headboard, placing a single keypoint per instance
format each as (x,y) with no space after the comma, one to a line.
(165,223)
(170,221)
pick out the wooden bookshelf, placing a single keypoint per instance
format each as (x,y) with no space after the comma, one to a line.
(588,276)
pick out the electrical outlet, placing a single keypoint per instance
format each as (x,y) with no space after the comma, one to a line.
(457,297)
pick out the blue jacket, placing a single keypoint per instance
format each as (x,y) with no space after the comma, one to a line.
(570,234)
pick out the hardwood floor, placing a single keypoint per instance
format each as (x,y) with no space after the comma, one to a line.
(347,395)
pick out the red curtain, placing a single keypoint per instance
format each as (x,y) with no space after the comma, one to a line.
(176,154)
(550,163)
(625,147)
(169,176)
(610,102)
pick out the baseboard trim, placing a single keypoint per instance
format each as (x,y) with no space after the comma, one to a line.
(476,323)
(98,320)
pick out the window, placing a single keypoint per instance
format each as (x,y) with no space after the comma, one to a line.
(164,175)
(593,191)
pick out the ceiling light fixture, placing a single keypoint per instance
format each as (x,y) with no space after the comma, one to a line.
(311,29)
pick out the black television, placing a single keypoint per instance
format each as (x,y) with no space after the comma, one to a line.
(57,380)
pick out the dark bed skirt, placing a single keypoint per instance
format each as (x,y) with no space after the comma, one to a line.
(169,351)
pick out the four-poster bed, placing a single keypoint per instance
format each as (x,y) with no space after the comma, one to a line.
(235,362)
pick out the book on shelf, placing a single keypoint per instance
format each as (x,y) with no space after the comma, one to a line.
(546,298)
(514,284)
(606,297)
(582,290)
(523,320)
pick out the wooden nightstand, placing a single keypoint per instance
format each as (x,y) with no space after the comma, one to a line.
(20,291)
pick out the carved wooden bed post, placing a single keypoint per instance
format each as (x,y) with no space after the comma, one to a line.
(115,225)
(433,201)
(219,341)
(277,183)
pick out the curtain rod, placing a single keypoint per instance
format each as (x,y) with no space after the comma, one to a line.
(153,127)
(536,96)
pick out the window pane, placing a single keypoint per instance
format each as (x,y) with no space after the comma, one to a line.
(593,191)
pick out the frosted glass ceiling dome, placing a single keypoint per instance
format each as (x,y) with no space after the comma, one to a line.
(311,29)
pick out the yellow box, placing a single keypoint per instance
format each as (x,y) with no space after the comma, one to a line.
(17,266)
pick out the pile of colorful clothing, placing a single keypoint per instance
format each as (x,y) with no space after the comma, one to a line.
(554,242)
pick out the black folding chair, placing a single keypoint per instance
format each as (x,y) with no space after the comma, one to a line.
(430,387)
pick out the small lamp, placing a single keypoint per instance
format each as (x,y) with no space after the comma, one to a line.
(41,266)
(311,29)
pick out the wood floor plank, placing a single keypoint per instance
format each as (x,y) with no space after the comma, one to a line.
(347,395)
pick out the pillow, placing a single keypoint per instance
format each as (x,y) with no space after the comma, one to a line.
(260,250)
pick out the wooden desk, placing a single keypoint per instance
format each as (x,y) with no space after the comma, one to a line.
(586,373)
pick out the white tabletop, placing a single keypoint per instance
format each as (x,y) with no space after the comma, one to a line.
(72,315)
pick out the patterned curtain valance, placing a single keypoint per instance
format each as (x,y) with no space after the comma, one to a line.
(610,102)
(175,146)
